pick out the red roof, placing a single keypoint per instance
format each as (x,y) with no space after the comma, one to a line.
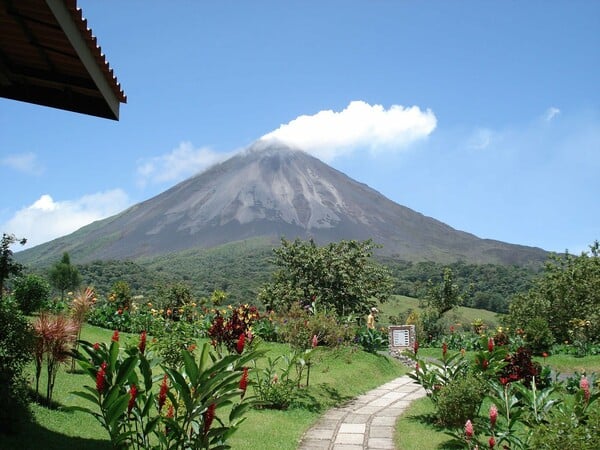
(49,56)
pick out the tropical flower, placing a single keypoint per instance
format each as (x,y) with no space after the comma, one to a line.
(444,349)
(416,346)
(142,344)
(468,430)
(132,395)
(493,415)
(101,378)
(240,343)
(315,341)
(492,442)
(244,381)
(490,345)
(115,336)
(96,346)
(209,415)
(162,393)
(585,385)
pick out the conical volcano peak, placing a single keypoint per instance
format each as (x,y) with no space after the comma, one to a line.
(271,147)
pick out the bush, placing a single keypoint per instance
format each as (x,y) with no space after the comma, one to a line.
(16,351)
(31,292)
(372,341)
(538,336)
(566,430)
(460,400)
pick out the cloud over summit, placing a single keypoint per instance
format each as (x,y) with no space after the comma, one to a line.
(329,134)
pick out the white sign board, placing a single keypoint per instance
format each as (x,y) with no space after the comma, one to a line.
(401,338)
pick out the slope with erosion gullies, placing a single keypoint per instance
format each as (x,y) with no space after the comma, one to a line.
(268,191)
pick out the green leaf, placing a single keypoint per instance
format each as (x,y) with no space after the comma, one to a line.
(86,395)
(125,369)
(190,367)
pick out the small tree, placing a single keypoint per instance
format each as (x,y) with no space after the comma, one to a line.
(8,267)
(339,277)
(31,292)
(64,276)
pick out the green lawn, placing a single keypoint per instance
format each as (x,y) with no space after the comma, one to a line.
(336,376)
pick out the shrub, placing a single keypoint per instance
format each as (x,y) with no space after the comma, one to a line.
(275,387)
(171,339)
(31,292)
(520,366)
(538,336)
(16,350)
(372,340)
(460,399)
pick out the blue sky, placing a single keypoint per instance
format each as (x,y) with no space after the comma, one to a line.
(484,115)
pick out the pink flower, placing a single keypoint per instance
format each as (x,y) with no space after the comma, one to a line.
(490,345)
(115,336)
(162,393)
(101,378)
(493,415)
(240,343)
(142,344)
(585,385)
(468,429)
(132,395)
(315,341)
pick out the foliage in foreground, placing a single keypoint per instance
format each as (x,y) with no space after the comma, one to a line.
(198,406)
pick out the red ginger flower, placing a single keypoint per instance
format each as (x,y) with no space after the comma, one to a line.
(240,343)
(492,442)
(96,346)
(493,415)
(585,385)
(162,394)
(485,363)
(142,344)
(444,349)
(115,336)
(416,346)
(209,415)
(170,412)
(132,395)
(244,381)
(315,341)
(101,378)
(469,430)
(490,345)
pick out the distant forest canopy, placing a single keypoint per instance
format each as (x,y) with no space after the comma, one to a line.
(241,273)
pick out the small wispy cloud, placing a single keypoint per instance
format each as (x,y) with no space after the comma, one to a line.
(182,162)
(329,134)
(481,139)
(551,113)
(47,219)
(26,163)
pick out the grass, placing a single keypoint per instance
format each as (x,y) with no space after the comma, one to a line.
(336,376)
(399,305)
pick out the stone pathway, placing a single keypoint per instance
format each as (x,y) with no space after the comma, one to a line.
(367,422)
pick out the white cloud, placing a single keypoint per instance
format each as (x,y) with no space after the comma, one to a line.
(24,162)
(46,219)
(551,113)
(182,162)
(328,134)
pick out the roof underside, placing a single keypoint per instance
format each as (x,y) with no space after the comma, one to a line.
(48,56)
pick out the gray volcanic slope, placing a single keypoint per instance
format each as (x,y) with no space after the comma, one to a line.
(272,190)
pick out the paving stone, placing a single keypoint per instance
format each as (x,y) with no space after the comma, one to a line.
(347,447)
(320,433)
(381,432)
(383,421)
(382,443)
(357,418)
(350,438)
(315,444)
(353,428)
